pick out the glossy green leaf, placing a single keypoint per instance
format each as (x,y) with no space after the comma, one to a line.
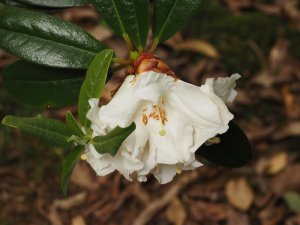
(53,3)
(128,18)
(46,40)
(293,201)
(43,86)
(45,4)
(12,3)
(171,15)
(234,149)
(69,165)
(94,83)
(73,125)
(49,130)
(111,142)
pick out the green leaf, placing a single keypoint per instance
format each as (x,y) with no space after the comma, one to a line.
(12,3)
(111,142)
(69,165)
(73,125)
(45,4)
(128,18)
(46,40)
(234,149)
(94,83)
(49,130)
(293,201)
(171,15)
(43,86)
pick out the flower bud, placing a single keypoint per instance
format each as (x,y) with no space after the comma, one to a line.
(147,62)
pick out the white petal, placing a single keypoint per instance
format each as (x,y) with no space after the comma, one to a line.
(93,115)
(151,86)
(102,164)
(121,109)
(194,114)
(165,173)
(205,111)
(224,87)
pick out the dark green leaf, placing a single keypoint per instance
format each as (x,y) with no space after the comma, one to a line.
(73,125)
(43,86)
(69,165)
(52,3)
(171,15)
(128,18)
(233,151)
(46,40)
(49,130)
(293,201)
(111,142)
(12,3)
(94,83)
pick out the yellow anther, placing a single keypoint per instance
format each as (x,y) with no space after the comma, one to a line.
(178,170)
(162,132)
(214,140)
(83,157)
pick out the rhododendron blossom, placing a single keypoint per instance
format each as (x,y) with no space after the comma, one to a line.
(173,119)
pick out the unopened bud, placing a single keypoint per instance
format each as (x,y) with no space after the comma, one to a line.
(148,62)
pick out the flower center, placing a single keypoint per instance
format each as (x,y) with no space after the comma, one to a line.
(157,113)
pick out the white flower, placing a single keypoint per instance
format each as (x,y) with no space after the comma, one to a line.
(173,119)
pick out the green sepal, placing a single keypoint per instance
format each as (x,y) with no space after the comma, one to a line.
(73,125)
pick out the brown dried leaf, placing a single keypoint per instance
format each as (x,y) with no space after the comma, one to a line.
(176,213)
(83,177)
(279,183)
(264,78)
(199,46)
(239,194)
(204,211)
(70,202)
(268,9)
(54,217)
(78,220)
(101,33)
(238,4)
(292,108)
(277,163)
(289,130)
(271,215)
(237,218)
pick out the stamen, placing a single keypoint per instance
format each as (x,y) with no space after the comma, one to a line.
(214,140)
(178,170)
(83,157)
(162,132)
(145,119)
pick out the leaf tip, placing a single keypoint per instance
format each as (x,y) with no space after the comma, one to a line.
(6,121)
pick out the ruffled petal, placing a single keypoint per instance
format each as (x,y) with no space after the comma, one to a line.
(151,86)
(224,87)
(122,108)
(102,164)
(204,110)
(161,146)
(165,173)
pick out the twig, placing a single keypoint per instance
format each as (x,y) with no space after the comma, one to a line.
(153,208)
